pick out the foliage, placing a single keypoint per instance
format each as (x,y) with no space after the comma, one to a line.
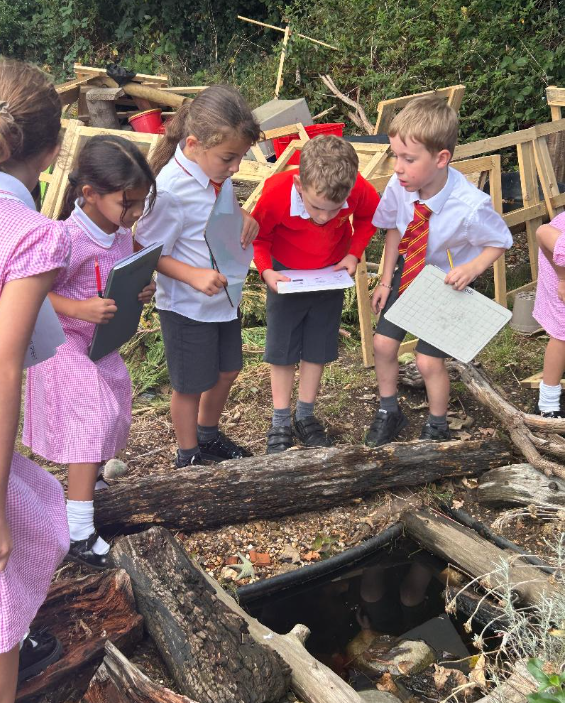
(555,682)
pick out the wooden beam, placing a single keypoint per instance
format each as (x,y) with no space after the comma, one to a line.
(281,61)
(280,29)
(93,72)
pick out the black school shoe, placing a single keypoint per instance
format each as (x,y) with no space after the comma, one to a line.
(222,449)
(38,651)
(310,432)
(435,433)
(553,414)
(385,427)
(279,439)
(81,552)
(195,460)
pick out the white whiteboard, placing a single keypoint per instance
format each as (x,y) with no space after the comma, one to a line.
(460,323)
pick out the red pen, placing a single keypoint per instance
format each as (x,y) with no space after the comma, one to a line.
(98,278)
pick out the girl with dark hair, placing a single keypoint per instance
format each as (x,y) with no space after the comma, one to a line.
(34,536)
(202,148)
(78,411)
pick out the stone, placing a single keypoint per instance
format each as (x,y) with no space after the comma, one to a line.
(407,657)
(374,696)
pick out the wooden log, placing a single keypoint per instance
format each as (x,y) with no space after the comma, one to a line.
(206,647)
(119,681)
(155,95)
(519,684)
(296,481)
(521,484)
(101,104)
(479,558)
(83,614)
(481,611)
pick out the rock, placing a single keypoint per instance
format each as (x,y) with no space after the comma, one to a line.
(114,468)
(407,657)
(374,696)
(368,645)
(228,574)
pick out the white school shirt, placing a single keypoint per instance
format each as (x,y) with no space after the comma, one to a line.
(185,198)
(463,219)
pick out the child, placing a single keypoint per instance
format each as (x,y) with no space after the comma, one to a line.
(203,146)
(304,223)
(549,311)
(78,411)
(428,209)
(34,536)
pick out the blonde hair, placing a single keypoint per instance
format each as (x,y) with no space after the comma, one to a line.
(30,111)
(330,165)
(217,113)
(428,120)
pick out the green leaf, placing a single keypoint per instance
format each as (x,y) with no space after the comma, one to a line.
(535,668)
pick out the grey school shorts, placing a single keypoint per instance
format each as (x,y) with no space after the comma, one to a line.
(196,352)
(389,329)
(302,326)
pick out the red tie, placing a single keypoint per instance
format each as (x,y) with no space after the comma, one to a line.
(413,245)
(216,186)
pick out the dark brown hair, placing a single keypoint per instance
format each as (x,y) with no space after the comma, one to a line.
(108,164)
(30,111)
(217,113)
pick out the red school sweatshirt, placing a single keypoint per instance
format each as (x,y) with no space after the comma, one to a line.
(301,244)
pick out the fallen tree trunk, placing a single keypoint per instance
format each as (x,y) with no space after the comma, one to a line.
(119,681)
(493,567)
(206,647)
(296,481)
(521,484)
(515,689)
(310,679)
(480,611)
(83,614)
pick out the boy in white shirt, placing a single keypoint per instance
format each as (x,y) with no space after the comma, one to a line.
(427,209)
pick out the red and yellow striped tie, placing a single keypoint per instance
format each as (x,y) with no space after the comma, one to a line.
(413,245)
(217,187)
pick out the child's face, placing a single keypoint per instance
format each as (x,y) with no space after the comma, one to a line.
(320,209)
(221,161)
(107,211)
(417,168)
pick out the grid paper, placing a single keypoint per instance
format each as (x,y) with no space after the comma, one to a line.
(460,323)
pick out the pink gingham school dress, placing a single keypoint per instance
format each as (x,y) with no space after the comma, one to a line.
(35,506)
(77,410)
(549,311)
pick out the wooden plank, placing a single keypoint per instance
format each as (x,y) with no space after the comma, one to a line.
(555,96)
(522,289)
(546,175)
(93,72)
(60,172)
(499,264)
(185,90)
(407,347)
(365,316)
(281,61)
(253,171)
(525,214)
(534,381)
(530,197)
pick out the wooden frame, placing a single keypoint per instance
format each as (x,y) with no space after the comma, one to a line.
(387,109)
(555,100)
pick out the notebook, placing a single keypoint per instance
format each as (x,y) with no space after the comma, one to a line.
(460,323)
(46,337)
(125,282)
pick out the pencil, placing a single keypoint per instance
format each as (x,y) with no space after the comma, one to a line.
(450,259)
(98,278)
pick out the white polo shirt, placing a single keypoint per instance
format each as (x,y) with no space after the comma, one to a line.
(185,198)
(463,219)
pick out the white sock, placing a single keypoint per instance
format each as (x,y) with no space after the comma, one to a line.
(549,397)
(80,514)
(24,639)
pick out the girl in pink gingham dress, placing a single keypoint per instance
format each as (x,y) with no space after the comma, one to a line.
(78,411)
(34,535)
(549,311)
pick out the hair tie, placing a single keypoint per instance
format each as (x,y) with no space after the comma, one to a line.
(5,110)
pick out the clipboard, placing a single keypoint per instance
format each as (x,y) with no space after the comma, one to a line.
(126,280)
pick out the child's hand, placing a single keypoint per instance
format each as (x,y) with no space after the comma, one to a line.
(208,281)
(349,263)
(380,296)
(271,278)
(250,229)
(147,293)
(97,310)
(6,543)
(561,290)
(461,276)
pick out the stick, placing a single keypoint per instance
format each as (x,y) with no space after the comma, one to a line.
(348,101)
(281,61)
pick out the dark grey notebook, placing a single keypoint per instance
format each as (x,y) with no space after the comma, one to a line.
(125,282)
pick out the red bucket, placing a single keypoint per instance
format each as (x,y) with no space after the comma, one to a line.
(148,121)
(313,130)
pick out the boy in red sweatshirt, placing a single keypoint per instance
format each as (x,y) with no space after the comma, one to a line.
(304,223)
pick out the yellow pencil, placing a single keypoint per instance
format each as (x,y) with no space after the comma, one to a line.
(450,259)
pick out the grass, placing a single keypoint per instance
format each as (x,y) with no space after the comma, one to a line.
(510,354)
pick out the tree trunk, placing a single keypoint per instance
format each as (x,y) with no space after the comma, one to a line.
(521,484)
(207,647)
(479,610)
(119,681)
(495,568)
(296,481)
(83,614)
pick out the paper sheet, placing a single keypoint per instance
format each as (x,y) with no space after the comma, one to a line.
(310,280)
(460,323)
(223,236)
(47,336)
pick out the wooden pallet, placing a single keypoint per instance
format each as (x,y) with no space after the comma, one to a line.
(535,380)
